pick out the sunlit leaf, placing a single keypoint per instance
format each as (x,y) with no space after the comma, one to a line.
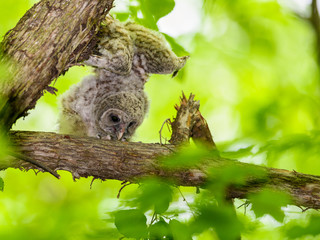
(1,184)
(176,47)
(122,16)
(188,156)
(159,9)
(131,223)
(221,218)
(180,231)
(148,20)
(154,195)
(160,230)
(269,202)
(232,175)
(311,229)
(242,152)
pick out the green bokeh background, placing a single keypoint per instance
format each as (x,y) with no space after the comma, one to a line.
(253,67)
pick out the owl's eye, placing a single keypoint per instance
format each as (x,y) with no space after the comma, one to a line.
(115,118)
(131,124)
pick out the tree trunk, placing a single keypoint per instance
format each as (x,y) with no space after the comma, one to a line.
(52,36)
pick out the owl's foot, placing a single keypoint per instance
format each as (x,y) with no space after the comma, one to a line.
(51,90)
(108,137)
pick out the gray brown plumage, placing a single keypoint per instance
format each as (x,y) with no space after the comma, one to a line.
(111,104)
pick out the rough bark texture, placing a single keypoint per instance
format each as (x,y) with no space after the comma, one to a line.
(127,161)
(102,159)
(189,123)
(52,36)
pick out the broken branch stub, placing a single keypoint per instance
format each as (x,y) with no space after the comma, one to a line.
(189,123)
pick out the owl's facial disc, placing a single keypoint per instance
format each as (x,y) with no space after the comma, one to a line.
(116,124)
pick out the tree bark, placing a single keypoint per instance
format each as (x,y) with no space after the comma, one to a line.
(128,161)
(52,36)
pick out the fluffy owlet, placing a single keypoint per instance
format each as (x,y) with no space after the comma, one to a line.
(111,104)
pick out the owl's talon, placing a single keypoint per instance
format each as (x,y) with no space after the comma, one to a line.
(98,136)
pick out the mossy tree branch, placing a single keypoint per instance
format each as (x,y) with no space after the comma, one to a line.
(128,161)
(51,37)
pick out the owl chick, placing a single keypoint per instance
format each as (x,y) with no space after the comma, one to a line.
(111,104)
(87,110)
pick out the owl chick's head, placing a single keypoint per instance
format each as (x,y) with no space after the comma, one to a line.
(119,115)
(116,124)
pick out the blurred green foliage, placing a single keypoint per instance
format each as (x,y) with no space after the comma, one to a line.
(312,228)
(269,202)
(253,67)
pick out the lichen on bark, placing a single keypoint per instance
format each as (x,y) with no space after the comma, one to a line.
(51,37)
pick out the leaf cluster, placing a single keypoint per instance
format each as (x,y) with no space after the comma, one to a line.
(152,213)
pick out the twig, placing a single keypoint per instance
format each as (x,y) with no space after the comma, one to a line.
(126,184)
(184,199)
(29,160)
(167,121)
(305,209)
(94,178)
(245,204)
(153,218)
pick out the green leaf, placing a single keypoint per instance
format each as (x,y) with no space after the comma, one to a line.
(1,184)
(122,16)
(158,8)
(131,223)
(188,156)
(242,152)
(269,202)
(180,231)
(155,195)
(176,47)
(134,11)
(160,230)
(311,229)
(232,175)
(148,20)
(222,218)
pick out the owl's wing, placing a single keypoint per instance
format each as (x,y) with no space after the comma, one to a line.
(153,52)
(114,51)
(70,122)
(76,116)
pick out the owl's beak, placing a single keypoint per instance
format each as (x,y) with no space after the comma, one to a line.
(121,131)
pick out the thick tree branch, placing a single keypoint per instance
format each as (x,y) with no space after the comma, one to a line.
(52,36)
(128,161)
